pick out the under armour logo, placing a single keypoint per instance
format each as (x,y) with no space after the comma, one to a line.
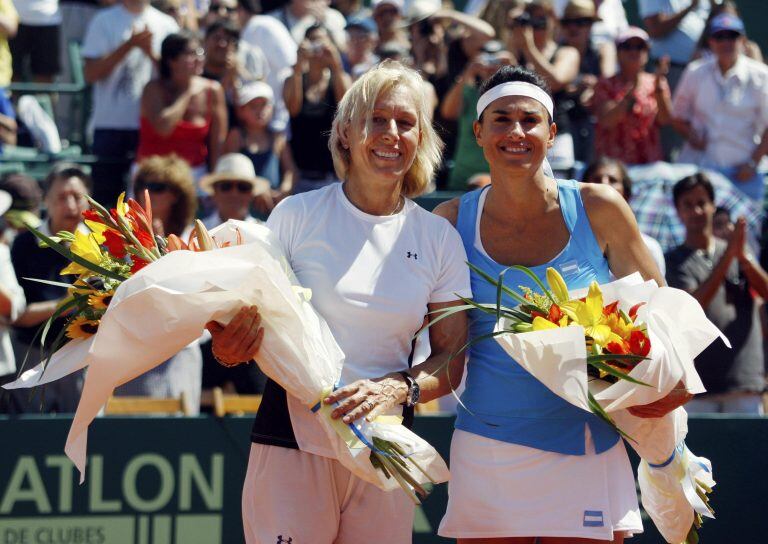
(414,255)
(281,540)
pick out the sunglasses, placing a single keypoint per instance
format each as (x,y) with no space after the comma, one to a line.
(632,47)
(153,187)
(219,8)
(537,23)
(579,21)
(227,186)
(726,36)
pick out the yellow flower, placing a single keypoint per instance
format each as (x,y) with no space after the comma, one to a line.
(589,314)
(121,208)
(100,300)
(541,324)
(97,229)
(86,246)
(557,285)
(618,326)
(81,327)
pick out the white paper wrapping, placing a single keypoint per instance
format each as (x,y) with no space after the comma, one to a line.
(678,330)
(166,305)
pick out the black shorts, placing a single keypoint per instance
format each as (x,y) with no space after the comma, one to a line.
(38,48)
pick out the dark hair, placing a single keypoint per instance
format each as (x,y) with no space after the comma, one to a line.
(316,26)
(723,210)
(229,27)
(66,170)
(24,190)
(507,74)
(173,46)
(689,183)
(251,6)
(602,162)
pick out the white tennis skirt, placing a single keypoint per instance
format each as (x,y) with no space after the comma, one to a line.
(501,490)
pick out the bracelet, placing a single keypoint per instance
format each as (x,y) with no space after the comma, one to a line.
(224,363)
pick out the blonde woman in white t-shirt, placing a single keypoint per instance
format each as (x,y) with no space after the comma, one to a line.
(377,264)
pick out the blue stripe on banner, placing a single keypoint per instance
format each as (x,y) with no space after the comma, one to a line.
(593,518)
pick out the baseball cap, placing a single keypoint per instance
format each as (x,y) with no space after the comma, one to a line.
(253,90)
(726,22)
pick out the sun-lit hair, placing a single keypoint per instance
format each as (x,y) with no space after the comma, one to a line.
(356,109)
(176,173)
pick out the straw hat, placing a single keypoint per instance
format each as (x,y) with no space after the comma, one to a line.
(235,167)
(580,9)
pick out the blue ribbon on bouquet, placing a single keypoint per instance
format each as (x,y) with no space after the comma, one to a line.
(680,447)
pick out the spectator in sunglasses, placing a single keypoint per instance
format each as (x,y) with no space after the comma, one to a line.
(220,10)
(721,109)
(233,187)
(751,49)
(632,105)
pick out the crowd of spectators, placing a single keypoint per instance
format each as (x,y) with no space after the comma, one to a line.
(222,108)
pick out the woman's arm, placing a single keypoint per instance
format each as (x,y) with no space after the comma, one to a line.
(233,143)
(218,130)
(563,69)
(289,172)
(293,92)
(163,118)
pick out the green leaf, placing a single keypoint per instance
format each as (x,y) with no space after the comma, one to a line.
(76,301)
(495,283)
(612,371)
(67,254)
(49,282)
(602,414)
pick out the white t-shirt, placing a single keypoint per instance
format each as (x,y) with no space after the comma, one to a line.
(116,98)
(333,21)
(371,279)
(38,12)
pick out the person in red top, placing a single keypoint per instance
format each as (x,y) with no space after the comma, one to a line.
(633,104)
(183,113)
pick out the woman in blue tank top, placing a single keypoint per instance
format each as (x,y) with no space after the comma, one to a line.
(526,464)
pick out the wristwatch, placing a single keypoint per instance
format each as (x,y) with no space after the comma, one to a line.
(414,391)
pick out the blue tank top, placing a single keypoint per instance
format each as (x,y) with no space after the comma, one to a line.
(505,402)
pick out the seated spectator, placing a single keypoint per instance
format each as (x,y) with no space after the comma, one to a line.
(726,280)
(267,150)
(168,181)
(65,190)
(12,304)
(632,105)
(35,48)
(233,186)
(597,60)
(361,43)
(613,172)
(721,109)
(460,104)
(183,113)
(120,49)
(388,16)
(299,15)
(9,25)
(751,49)
(8,125)
(274,40)
(533,45)
(231,62)
(311,92)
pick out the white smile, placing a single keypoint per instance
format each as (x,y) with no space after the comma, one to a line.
(386,154)
(517,149)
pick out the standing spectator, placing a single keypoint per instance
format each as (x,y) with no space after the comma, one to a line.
(267,150)
(388,15)
(300,15)
(721,109)
(120,50)
(611,19)
(9,25)
(65,190)
(612,172)
(428,47)
(631,105)
(533,44)
(168,180)
(751,49)
(219,10)
(361,42)
(725,279)
(183,113)
(597,60)
(675,27)
(278,47)
(35,48)
(311,93)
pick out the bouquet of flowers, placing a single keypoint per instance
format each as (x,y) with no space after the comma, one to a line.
(614,346)
(140,298)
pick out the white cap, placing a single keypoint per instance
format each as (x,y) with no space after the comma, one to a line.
(399,4)
(253,90)
(234,167)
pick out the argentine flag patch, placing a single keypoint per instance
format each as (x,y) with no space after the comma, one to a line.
(593,518)
(569,268)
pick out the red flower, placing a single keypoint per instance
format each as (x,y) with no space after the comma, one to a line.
(612,308)
(555,313)
(144,238)
(617,348)
(633,310)
(93,215)
(115,243)
(639,344)
(535,314)
(138,264)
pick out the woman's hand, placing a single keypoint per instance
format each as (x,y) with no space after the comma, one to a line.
(368,398)
(677,397)
(240,340)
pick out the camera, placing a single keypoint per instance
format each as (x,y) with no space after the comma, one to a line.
(525,19)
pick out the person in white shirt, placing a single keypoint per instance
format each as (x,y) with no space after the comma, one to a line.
(233,186)
(377,265)
(37,40)
(721,109)
(299,15)
(279,48)
(121,48)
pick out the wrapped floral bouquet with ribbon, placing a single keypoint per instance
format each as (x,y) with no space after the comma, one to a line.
(140,298)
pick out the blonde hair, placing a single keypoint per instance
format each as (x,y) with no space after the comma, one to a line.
(176,173)
(356,109)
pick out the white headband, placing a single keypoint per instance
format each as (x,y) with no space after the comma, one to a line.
(516,88)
